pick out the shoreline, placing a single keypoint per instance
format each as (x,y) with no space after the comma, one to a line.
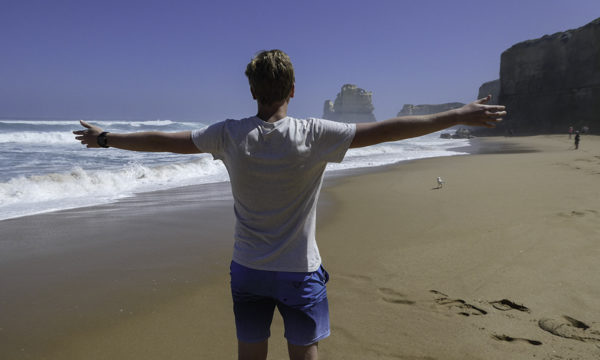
(111,293)
(86,188)
(104,273)
(481,265)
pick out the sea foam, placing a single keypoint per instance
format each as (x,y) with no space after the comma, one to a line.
(31,137)
(43,168)
(79,187)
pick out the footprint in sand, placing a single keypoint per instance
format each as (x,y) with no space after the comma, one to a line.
(511,339)
(459,305)
(394,297)
(579,213)
(570,328)
(505,305)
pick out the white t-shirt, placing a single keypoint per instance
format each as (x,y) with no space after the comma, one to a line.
(276,172)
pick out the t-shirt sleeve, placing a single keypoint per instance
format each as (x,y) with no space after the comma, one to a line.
(209,139)
(332,139)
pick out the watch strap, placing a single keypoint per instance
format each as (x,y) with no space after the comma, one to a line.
(102,141)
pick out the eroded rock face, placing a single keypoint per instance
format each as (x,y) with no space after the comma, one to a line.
(460,133)
(328,111)
(551,83)
(425,109)
(352,104)
(490,88)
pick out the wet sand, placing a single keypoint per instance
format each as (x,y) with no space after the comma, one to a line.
(499,263)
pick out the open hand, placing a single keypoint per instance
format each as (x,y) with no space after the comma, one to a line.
(89,136)
(478,113)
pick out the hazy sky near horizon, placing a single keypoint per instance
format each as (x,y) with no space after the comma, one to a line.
(185,60)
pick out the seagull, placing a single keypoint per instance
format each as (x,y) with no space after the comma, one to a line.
(440,182)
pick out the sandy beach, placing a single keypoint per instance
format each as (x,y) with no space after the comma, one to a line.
(499,263)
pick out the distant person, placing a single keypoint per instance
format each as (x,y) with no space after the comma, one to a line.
(570,131)
(276,164)
(576,140)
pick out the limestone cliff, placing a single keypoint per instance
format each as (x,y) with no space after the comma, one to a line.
(553,82)
(352,104)
(425,109)
(490,88)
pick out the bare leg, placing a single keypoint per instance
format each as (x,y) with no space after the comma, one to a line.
(309,352)
(253,351)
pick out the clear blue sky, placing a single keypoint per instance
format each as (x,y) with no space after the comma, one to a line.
(185,60)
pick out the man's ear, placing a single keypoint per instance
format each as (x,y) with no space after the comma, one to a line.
(292,91)
(252,92)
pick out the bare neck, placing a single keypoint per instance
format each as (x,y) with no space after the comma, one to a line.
(273,112)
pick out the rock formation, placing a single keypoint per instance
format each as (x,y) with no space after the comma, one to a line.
(328,111)
(410,109)
(352,104)
(490,88)
(551,83)
(460,133)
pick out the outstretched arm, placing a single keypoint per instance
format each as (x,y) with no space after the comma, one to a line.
(404,127)
(178,142)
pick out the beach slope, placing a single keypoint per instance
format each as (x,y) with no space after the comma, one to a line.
(499,263)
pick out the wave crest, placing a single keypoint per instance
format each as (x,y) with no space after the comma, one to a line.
(79,187)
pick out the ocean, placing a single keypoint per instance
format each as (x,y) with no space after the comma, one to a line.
(43,168)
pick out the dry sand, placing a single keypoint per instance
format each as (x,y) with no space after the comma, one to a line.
(500,263)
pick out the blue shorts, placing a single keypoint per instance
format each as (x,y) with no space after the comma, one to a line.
(301,299)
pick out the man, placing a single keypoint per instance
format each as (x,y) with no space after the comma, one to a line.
(276,164)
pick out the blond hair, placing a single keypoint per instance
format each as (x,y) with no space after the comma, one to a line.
(271,76)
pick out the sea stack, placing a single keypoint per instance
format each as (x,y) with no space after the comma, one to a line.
(426,109)
(352,105)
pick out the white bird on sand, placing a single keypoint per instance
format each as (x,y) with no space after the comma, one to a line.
(440,182)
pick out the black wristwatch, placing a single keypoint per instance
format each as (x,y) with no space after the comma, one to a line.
(102,139)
